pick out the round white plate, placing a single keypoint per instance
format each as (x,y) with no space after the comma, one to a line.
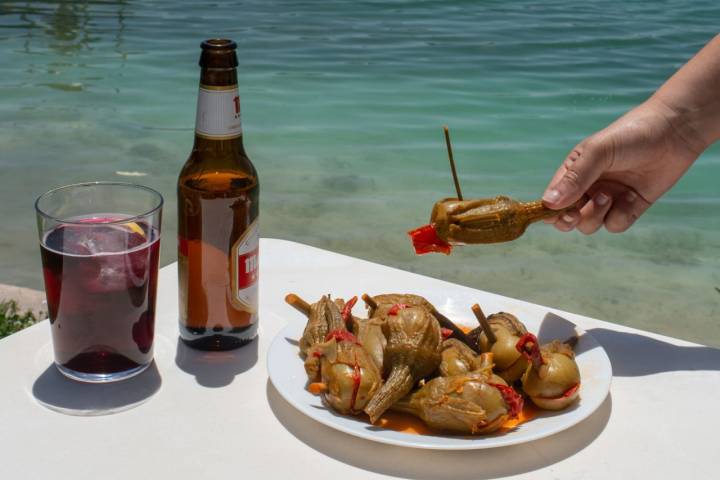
(287,374)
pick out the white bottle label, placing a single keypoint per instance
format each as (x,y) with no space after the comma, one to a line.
(218,112)
(245,256)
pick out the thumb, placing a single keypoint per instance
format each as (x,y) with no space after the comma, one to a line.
(582,168)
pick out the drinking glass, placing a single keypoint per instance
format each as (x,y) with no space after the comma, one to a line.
(100,245)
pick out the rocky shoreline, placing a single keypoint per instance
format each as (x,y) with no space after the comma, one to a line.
(26,299)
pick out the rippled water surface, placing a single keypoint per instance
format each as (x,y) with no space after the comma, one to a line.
(342,107)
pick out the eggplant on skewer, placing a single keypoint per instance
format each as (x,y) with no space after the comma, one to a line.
(552,378)
(337,365)
(348,374)
(499,334)
(454,221)
(469,403)
(412,352)
(380,305)
(457,358)
(322,319)
(369,333)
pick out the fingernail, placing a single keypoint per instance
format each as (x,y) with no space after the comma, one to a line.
(601,199)
(630,196)
(568,218)
(551,196)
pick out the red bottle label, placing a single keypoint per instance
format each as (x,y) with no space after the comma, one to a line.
(247,269)
(244,258)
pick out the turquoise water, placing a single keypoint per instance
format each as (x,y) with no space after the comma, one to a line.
(342,108)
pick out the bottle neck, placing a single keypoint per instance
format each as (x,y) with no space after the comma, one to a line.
(218,120)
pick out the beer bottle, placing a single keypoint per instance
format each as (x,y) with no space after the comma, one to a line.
(218,215)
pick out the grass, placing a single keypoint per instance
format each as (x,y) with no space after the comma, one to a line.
(11,320)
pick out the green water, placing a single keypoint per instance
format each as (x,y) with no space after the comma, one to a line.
(342,108)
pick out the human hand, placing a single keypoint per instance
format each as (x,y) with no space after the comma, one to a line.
(616,174)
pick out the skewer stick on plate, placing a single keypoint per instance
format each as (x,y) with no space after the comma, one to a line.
(572,341)
(484,323)
(456,331)
(370,302)
(298,303)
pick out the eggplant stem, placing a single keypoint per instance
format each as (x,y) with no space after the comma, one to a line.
(398,384)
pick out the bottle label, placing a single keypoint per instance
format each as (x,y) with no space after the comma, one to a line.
(245,271)
(218,112)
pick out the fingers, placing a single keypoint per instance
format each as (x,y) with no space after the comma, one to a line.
(567,221)
(592,214)
(615,206)
(580,170)
(626,209)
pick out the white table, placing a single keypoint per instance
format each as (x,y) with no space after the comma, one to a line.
(215,415)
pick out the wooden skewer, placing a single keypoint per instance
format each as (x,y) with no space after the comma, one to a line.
(452,162)
(457,332)
(369,301)
(484,323)
(572,341)
(298,303)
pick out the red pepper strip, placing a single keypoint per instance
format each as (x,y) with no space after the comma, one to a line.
(529,346)
(513,399)
(346,313)
(446,332)
(569,392)
(341,336)
(396,308)
(356,378)
(426,240)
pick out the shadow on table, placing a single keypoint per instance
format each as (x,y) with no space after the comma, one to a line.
(634,355)
(57,392)
(433,464)
(216,369)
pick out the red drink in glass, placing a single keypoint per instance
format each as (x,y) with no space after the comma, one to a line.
(100,280)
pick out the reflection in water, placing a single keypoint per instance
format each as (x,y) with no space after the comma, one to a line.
(69,27)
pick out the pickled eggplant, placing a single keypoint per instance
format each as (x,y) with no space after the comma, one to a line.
(484,220)
(383,303)
(370,335)
(349,376)
(468,403)
(552,377)
(412,352)
(510,364)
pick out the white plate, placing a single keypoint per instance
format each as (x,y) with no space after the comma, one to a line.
(287,374)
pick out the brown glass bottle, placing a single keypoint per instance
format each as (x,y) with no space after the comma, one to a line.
(218,197)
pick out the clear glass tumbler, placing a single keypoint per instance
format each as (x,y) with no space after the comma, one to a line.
(100,245)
